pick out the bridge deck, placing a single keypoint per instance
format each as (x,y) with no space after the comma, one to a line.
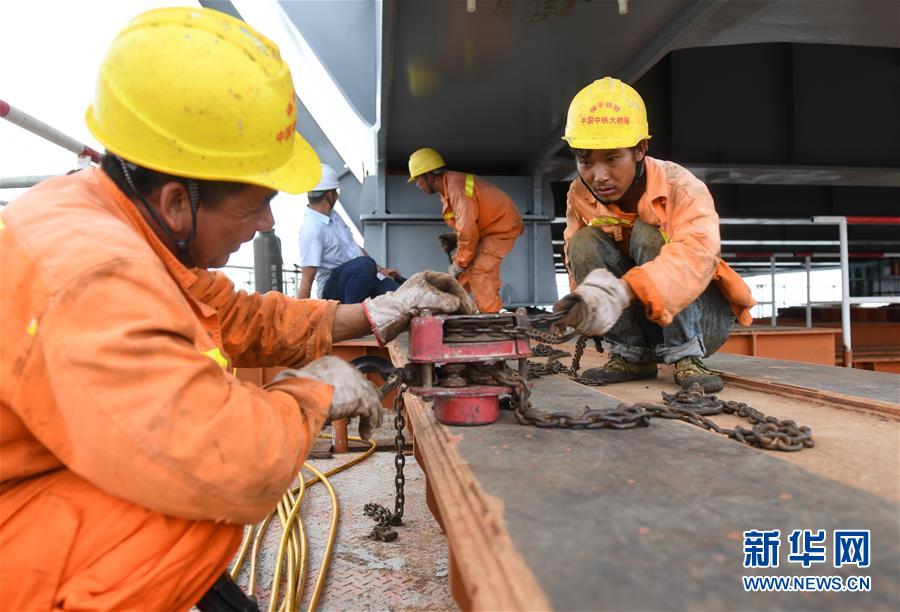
(652,518)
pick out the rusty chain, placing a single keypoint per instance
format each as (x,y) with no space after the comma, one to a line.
(691,406)
(504,326)
(384,518)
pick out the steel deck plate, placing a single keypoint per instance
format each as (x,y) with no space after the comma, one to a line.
(652,518)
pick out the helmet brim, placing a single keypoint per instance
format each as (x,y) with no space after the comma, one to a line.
(608,143)
(299,174)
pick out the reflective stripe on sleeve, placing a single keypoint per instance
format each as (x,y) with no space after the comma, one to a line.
(216,355)
(610,221)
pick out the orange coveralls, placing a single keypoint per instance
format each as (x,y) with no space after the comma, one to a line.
(487,224)
(680,205)
(130,456)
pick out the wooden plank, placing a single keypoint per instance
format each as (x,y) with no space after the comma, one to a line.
(487,571)
(839,387)
(784,330)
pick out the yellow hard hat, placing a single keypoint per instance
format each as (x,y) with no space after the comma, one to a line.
(422,161)
(196,93)
(607,114)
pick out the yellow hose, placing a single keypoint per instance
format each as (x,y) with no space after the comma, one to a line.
(242,551)
(301,569)
(287,521)
(332,534)
(254,553)
(369,452)
(293,545)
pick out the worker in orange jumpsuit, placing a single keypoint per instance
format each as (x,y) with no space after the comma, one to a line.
(642,246)
(485,219)
(130,455)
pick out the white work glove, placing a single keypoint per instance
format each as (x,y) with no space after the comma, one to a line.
(455,270)
(595,305)
(389,314)
(353,396)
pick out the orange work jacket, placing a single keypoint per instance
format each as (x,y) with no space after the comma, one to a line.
(115,362)
(680,205)
(473,207)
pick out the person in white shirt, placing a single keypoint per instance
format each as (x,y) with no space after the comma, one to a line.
(342,269)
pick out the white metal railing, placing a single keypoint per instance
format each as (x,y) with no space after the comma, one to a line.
(842,242)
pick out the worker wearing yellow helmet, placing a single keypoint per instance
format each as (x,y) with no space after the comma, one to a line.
(642,248)
(131,455)
(485,221)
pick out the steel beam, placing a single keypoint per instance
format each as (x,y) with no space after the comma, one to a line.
(664,41)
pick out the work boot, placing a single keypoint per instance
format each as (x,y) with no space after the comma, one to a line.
(226,596)
(617,370)
(691,370)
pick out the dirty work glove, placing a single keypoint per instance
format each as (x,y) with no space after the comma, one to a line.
(353,396)
(455,270)
(447,242)
(389,314)
(594,306)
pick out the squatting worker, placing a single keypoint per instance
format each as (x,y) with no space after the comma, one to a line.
(341,268)
(131,456)
(485,219)
(642,245)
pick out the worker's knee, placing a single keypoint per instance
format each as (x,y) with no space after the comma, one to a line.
(486,266)
(646,242)
(363,266)
(98,551)
(591,248)
(591,238)
(718,318)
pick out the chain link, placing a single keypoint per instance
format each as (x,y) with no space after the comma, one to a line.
(384,518)
(691,406)
(399,458)
(460,329)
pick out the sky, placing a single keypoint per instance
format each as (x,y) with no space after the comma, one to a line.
(51,76)
(53,80)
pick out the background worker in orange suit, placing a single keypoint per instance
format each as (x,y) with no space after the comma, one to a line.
(130,456)
(485,219)
(642,246)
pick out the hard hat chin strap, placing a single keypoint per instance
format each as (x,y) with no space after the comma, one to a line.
(638,175)
(193,190)
(638,171)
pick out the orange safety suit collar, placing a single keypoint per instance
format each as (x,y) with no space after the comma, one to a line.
(183,275)
(682,207)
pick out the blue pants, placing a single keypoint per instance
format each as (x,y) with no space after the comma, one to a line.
(699,330)
(354,281)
